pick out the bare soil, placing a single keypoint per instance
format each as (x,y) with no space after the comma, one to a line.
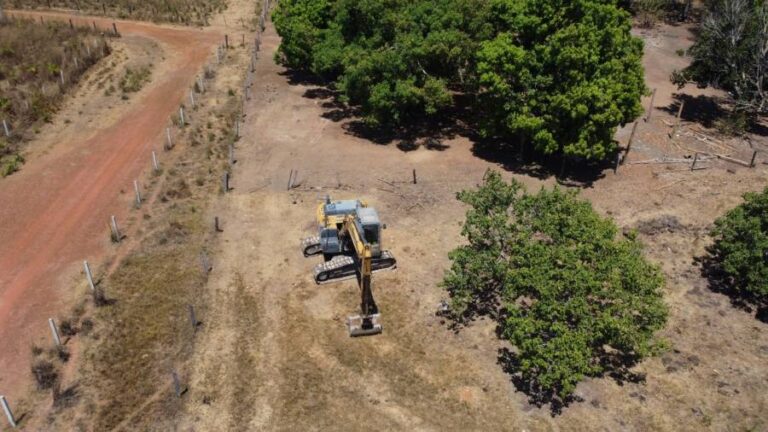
(276,356)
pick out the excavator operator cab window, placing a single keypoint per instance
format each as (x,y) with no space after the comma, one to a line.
(371,234)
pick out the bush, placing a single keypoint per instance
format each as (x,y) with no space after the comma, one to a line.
(740,248)
(571,298)
(45,374)
(134,79)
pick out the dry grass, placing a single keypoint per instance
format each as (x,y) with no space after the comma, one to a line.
(32,59)
(143,332)
(245,307)
(189,12)
(146,333)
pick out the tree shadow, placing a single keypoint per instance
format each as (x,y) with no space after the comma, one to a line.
(616,365)
(432,132)
(298,77)
(569,171)
(538,396)
(701,109)
(720,282)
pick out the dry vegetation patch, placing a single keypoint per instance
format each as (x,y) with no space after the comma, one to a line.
(189,12)
(38,63)
(143,331)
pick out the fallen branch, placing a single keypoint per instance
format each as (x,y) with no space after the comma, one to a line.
(670,184)
(733,160)
(384,181)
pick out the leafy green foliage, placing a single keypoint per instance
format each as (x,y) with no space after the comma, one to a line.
(741,246)
(562,75)
(730,53)
(567,294)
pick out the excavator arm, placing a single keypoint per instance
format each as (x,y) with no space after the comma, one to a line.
(367,322)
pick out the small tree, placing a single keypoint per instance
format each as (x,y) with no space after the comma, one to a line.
(740,249)
(731,53)
(568,295)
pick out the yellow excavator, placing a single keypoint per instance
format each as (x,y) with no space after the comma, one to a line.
(350,241)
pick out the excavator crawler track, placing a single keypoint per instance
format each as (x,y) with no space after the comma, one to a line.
(343,267)
(311,246)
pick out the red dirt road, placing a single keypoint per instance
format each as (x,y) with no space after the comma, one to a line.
(54,212)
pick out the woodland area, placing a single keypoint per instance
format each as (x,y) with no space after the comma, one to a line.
(559,77)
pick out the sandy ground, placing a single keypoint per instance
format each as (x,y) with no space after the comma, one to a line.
(275,354)
(78,173)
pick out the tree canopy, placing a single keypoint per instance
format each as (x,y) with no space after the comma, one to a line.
(566,293)
(741,247)
(558,75)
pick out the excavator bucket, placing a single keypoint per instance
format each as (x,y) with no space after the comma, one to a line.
(364,325)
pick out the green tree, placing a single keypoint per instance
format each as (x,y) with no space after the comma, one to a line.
(560,75)
(731,53)
(566,293)
(741,247)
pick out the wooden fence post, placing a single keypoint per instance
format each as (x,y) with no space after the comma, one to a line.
(225,182)
(176,384)
(169,143)
(155,165)
(629,143)
(8,412)
(414,176)
(138,193)
(54,332)
(650,107)
(116,237)
(89,276)
(192,318)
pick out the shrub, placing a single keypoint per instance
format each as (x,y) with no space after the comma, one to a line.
(189,12)
(134,79)
(740,248)
(566,293)
(45,374)
(33,56)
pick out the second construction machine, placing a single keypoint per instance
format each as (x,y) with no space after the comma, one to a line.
(350,241)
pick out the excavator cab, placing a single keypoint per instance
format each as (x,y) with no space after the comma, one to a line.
(369,225)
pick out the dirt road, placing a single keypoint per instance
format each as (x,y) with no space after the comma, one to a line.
(54,212)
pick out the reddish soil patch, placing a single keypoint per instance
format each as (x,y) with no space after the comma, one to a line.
(55,211)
